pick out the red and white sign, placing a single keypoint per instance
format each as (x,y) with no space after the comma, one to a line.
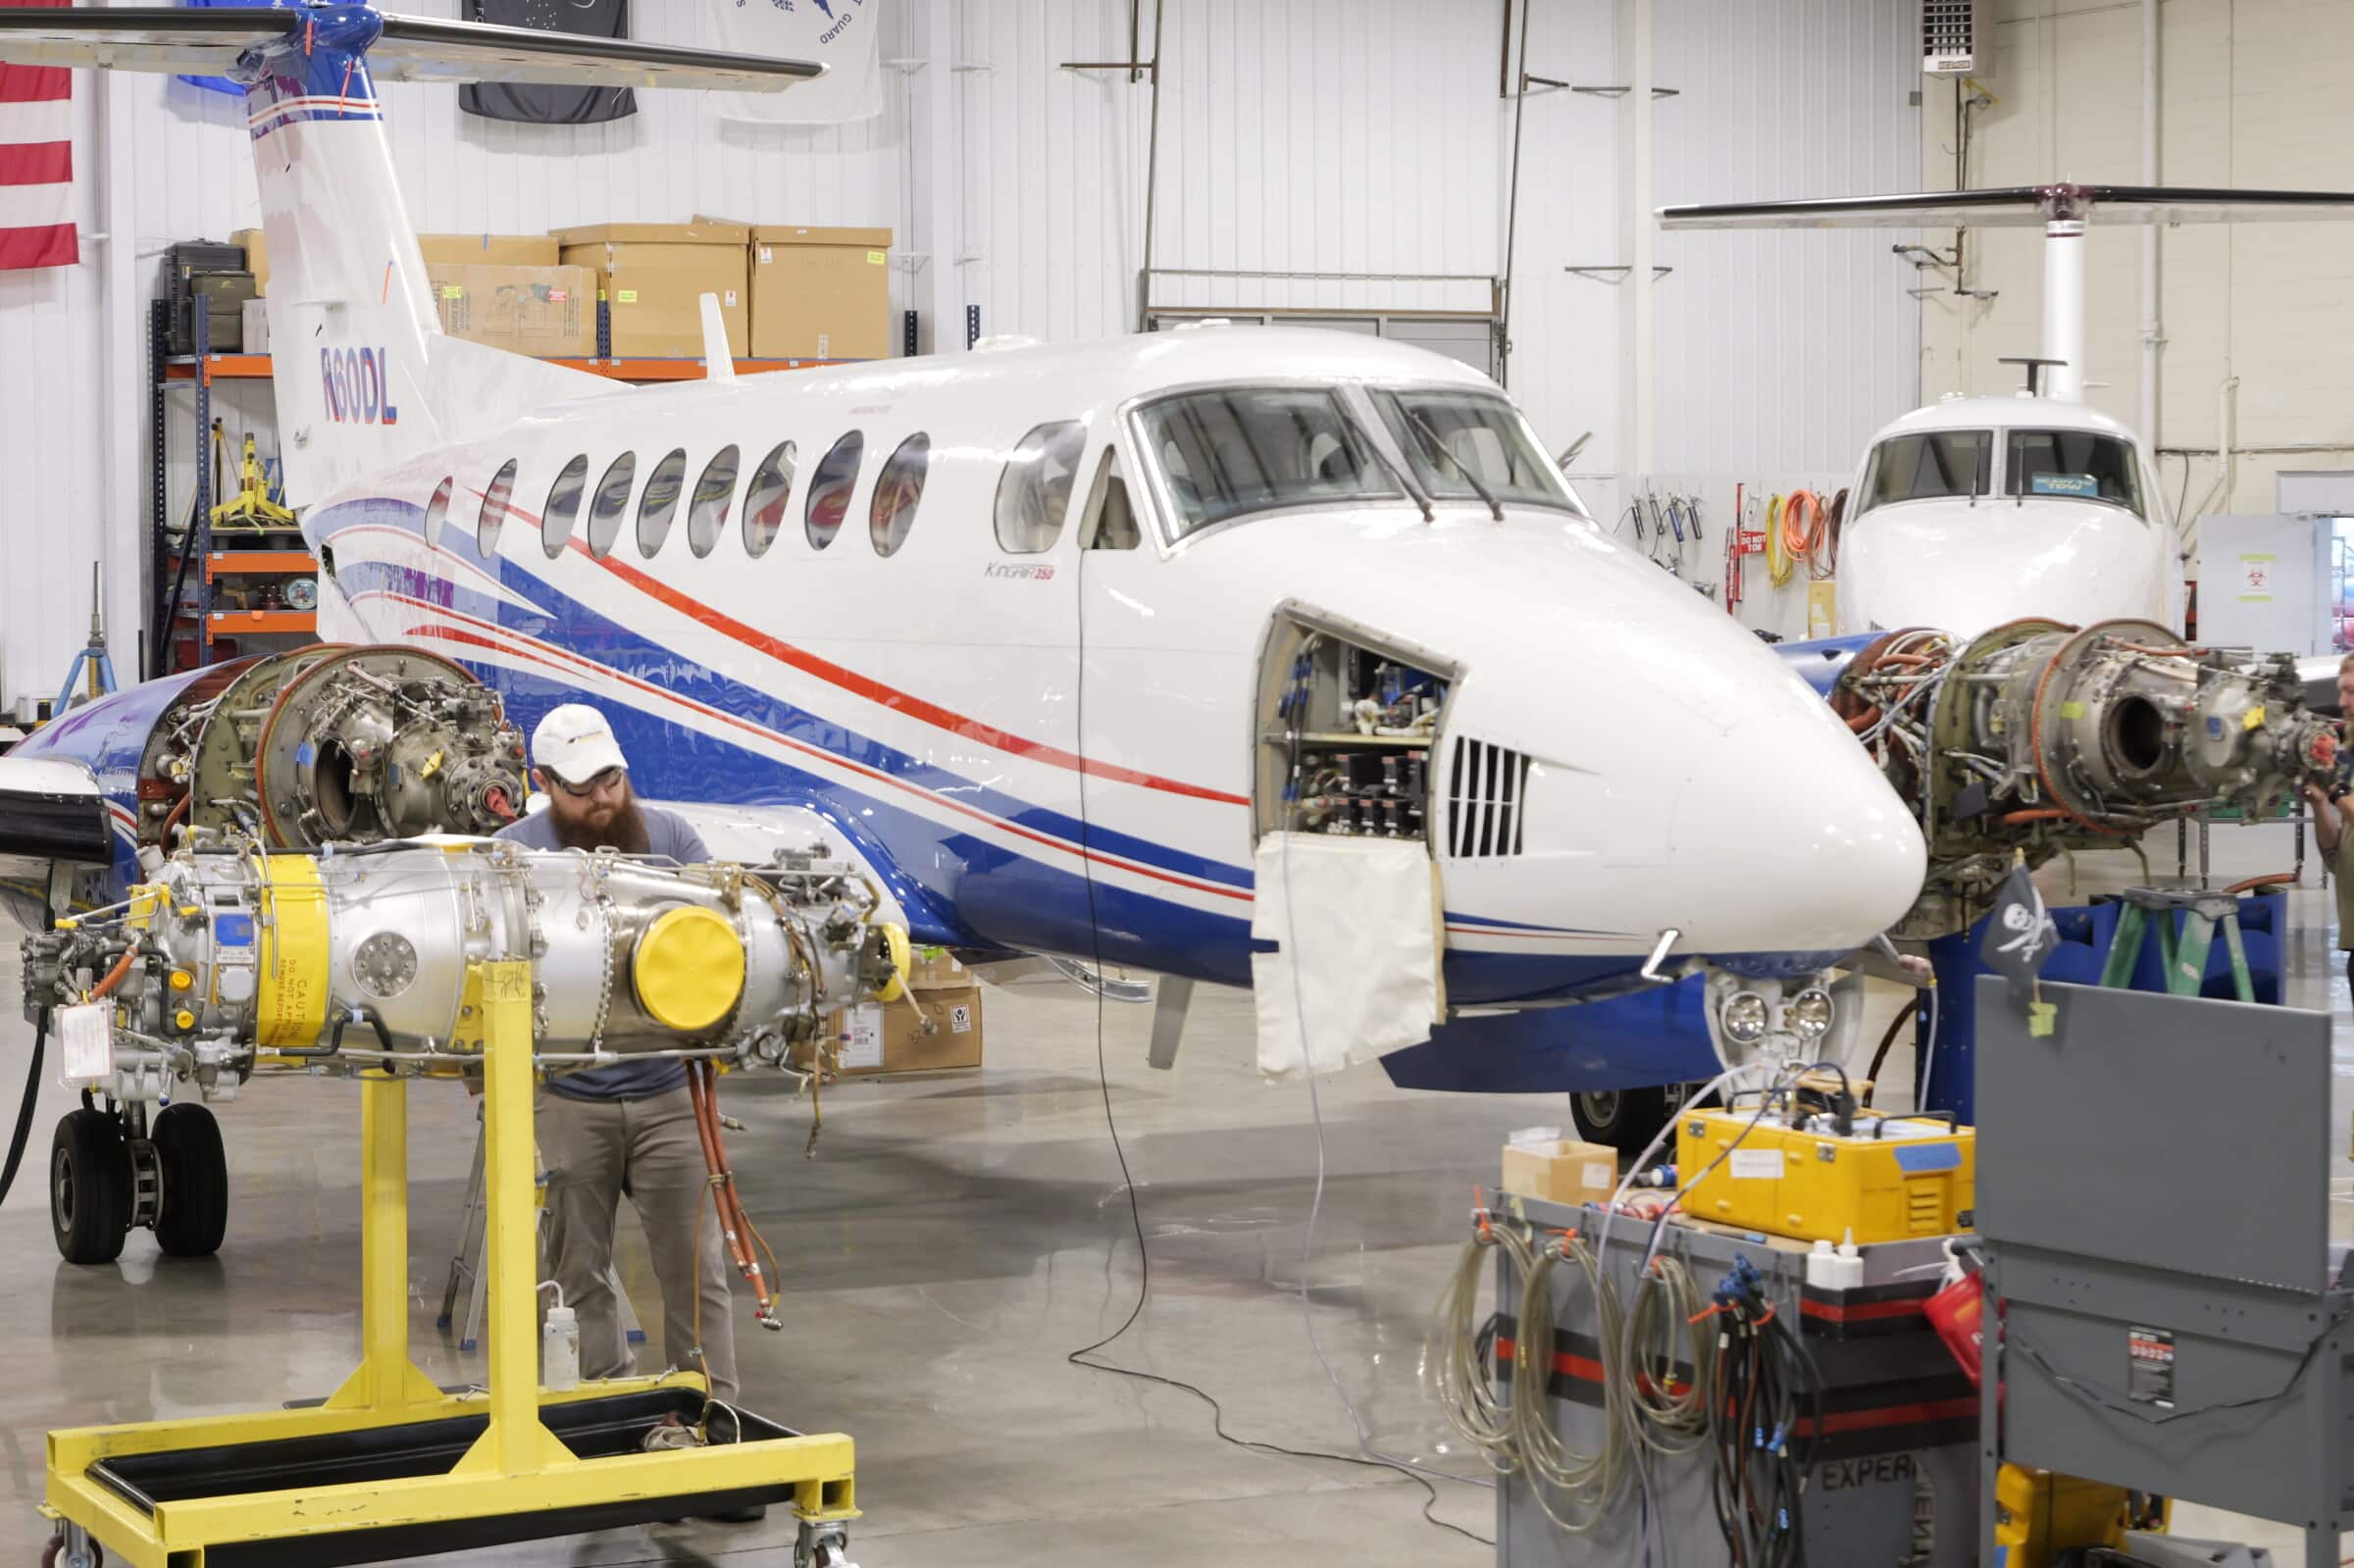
(37,162)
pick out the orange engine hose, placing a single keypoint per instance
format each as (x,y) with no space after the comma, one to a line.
(172,818)
(113,976)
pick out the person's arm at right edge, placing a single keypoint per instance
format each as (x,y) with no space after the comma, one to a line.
(2330,817)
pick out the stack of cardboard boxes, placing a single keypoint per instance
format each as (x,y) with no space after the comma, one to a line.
(784,292)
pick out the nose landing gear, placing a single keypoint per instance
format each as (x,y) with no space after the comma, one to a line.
(1627,1119)
(107,1174)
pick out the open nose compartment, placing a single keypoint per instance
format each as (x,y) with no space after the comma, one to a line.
(1347,720)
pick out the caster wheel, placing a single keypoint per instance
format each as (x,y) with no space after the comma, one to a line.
(195,1170)
(89,1187)
(86,1555)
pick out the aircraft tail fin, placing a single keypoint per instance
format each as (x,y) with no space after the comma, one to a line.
(364,373)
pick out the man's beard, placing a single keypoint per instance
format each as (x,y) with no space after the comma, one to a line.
(625,832)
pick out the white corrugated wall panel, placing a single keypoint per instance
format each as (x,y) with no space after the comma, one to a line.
(49,412)
(1784,349)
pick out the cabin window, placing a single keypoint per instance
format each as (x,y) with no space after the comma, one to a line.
(660,502)
(830,490)
(714,493)
(563,506)
(612,501)
(891,513)
(2073,465)
(1110,521)
(437,512)
(1927,465)
(1035,491)
(764,502)
(1459,443)
(1226,454)
(495,510)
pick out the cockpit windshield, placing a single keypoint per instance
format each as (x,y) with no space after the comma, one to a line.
(1233,451)
(2074,465)
(1462,443)
(1927,465)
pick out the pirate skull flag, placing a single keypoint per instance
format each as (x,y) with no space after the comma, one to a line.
(2019,936)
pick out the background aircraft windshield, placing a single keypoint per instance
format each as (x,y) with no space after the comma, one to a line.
(2077,465)
(1933,464)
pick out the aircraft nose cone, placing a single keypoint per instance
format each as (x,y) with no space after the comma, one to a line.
(1804,845)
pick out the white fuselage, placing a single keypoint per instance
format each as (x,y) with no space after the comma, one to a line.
(991,730)
(1965,562)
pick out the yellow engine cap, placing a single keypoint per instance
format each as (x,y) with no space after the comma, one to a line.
(894,941)
(689,968)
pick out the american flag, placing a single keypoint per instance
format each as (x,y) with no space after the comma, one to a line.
(37,162)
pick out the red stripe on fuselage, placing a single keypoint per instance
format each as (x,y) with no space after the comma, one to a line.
(590,667)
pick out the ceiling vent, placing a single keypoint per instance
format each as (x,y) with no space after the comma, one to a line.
(1957,38)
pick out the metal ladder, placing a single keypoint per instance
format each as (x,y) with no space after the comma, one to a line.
(2181,957)
(466,1263)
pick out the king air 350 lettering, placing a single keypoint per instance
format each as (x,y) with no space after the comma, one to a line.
(357,384)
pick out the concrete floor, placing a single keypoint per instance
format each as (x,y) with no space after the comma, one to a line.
(952,1241)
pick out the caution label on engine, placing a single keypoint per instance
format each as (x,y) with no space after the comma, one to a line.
(2150,1366)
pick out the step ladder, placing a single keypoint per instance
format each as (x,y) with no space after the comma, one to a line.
(2182,956)
(466,1263)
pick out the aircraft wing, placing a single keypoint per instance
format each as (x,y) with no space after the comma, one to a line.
(2018,207)
(169,38)
(53,809)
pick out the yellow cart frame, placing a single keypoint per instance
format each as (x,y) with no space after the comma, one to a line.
(517,1480)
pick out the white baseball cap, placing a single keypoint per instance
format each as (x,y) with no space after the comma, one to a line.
(576,744)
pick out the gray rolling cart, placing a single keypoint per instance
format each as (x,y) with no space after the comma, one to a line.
(2153,1197)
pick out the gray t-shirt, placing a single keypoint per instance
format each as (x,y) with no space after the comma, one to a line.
(671,837)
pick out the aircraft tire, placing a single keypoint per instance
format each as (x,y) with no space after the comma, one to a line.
(89,1187)
(1627,1119)
(196,1169)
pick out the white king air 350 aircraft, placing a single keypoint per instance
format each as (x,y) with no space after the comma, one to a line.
(1027,628)
(1976,511)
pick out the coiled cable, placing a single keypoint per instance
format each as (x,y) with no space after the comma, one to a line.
(1585,1484)
(1453,1366)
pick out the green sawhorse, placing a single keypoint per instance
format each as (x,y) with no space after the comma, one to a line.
(2181,957)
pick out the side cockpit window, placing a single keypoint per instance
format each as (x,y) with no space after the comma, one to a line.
(1110,522)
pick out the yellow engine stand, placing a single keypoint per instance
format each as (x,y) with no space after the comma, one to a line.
(516,1480)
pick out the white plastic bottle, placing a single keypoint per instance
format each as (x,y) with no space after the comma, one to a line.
(560,1350)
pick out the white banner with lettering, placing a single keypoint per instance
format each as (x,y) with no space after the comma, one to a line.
(840,33)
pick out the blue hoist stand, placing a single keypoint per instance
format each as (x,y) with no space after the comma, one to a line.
(92,658)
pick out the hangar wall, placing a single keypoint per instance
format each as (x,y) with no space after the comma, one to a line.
(1319,135)
(2249,95)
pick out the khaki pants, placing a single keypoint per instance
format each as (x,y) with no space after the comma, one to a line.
(591,1149)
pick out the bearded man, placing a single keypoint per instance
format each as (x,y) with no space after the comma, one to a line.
(630,1127)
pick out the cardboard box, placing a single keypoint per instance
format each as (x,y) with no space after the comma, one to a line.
(545,310)
(652,276)
(821,294)
(872,1040)
(257,325)
(257,257)
(932,968)
(1561,1170)
(490,250)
